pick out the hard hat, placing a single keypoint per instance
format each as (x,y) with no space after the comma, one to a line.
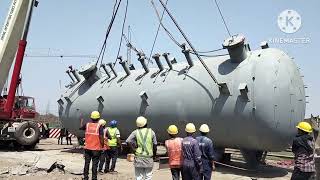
(172,129)
(204,128)
(102,122)
(304,126)
(141,121)
(113,123)
(95,115)
(190,128)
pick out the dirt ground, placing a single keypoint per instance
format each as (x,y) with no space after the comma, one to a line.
(13,162)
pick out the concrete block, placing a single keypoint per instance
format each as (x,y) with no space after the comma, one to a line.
(45,163)
(4,171)
(20,170)
(74,168)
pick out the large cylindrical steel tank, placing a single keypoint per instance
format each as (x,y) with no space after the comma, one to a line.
(262,100)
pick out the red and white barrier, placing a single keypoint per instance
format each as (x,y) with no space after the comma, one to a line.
(55,133)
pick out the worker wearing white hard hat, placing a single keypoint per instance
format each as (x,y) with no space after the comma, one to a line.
(144,142)
(206,148)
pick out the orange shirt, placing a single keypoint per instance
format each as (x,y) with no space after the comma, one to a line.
(174,149)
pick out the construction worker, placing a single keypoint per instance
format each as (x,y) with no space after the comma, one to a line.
(192,164)
(207,154)
(114,143)
(62,135)
(103,156)
(68,137)
(303,150)
(93,144)
(144,142)
(174,150)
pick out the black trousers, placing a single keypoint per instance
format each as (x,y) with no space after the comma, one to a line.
(190,173)
(112,155)
(88,156)
(207,169)
(103,159)
(299,175)
(175,173)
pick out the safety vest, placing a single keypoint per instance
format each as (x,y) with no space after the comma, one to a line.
(144,142)
(174,148)
(105,140)
(92,138)
(112,132)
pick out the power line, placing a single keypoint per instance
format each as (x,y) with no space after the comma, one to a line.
(62,56)
(224,22)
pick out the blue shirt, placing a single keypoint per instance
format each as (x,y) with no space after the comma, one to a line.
(206,147)
(191,152)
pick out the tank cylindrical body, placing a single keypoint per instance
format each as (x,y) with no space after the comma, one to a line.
(265,102)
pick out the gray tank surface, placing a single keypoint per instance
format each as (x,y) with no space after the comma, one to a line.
(260,101)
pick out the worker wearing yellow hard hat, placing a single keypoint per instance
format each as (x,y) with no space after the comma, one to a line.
(144,142)
(303,149)
(103,155)
(94,143)
(206,148)
(192,164)
(174,150)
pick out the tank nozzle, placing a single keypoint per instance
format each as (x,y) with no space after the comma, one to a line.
(112,69)
(142,59)
(105,70)
(124,64)
(186,53)
(166,57)
(156,57)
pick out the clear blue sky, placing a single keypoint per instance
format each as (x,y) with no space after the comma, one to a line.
(78,27)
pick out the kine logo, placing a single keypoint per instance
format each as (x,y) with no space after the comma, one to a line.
(289,21)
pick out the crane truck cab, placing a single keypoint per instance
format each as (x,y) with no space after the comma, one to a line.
(16,112)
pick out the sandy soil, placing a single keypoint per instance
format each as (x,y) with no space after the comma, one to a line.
(72,158)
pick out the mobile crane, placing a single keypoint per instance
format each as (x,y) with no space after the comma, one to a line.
(16,112)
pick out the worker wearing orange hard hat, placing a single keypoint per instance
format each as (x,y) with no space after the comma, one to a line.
(174,150)
(303,150)
(94,143)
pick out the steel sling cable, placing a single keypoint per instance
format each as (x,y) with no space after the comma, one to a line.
(224,22)
(157,33)
(122,32)
(101,54)
(208,55)
(162,25)
(191,46)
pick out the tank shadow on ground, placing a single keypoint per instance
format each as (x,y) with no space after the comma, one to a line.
(264,171)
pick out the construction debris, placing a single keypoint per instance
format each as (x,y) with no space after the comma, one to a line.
(61,162)
(4,171)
